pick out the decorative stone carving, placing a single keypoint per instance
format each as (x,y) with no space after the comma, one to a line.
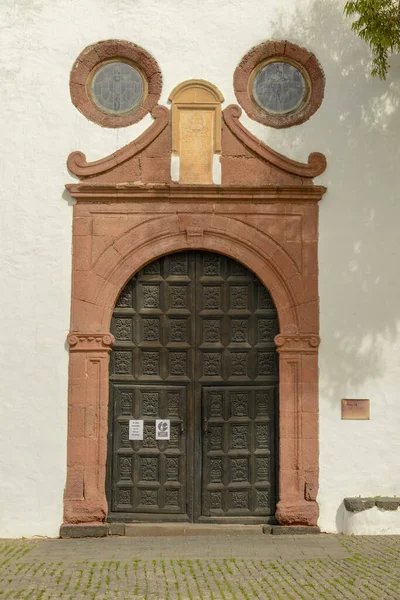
(297,343)
(89,342)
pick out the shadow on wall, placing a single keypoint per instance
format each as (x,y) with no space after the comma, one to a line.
(358,129)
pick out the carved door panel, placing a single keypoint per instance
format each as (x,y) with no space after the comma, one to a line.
(149,475)
(238,457)
(194,344)
(151,378)
(236,326)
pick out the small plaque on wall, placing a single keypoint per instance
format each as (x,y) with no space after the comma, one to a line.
(355,409)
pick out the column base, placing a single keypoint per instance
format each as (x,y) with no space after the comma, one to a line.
(79,512)
(303,513)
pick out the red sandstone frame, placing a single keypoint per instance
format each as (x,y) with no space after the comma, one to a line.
(271,229)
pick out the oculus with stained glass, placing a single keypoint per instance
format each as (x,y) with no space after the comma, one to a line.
(279,87)
(117,87)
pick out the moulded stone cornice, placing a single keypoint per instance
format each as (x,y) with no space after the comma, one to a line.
(78,165)
(300,342)
(316,161)
(89,192)
(193,83)
(90,342)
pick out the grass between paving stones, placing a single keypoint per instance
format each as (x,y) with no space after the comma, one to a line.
(371,571)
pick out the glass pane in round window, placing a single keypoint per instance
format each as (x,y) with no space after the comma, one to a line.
(279,87)
(117,87)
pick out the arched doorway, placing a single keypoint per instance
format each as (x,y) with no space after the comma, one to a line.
(194,345)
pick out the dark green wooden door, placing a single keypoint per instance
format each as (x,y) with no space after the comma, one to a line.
(194,344)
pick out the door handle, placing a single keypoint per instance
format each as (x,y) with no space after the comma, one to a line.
(182,426)
(205,425)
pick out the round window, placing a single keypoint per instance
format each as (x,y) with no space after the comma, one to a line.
(279,87)
(279,83)
(117,87)
(115,83)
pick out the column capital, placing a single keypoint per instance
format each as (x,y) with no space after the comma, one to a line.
(90,342)
(299,342)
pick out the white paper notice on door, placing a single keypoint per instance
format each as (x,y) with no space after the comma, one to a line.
(162,429)
(136,429)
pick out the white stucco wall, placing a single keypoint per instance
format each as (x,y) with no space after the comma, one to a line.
(357,128)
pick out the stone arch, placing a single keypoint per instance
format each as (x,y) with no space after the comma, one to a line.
(260,253)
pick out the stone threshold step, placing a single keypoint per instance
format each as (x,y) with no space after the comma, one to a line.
(179,529)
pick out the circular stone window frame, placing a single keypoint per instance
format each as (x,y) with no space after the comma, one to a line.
(89,62)
(282,51)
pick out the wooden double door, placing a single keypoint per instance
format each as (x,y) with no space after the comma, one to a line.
(194,344)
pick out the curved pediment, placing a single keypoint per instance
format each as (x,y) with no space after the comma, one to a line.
(79,166)
(194,134)
(316,161)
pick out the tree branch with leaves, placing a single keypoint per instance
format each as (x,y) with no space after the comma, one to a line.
(378,24)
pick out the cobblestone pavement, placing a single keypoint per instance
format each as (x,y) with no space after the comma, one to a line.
(223,567)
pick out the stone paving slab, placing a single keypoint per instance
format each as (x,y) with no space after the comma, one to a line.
(316,567)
